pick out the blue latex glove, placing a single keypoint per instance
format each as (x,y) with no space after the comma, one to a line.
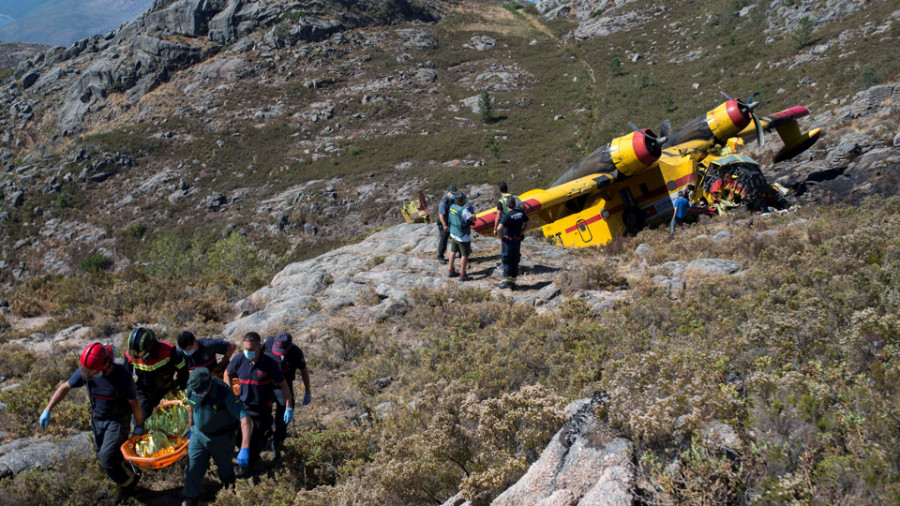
(307,399)
(288,415)
(243,458)
(138,432)
(45,419)
(188,436)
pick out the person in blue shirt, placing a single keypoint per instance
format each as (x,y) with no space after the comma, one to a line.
(681,206)
(215,414)
(113,398)
(202,352)
(258,375)
(290,357)
(513,225)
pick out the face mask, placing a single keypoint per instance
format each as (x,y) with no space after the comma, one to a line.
(249,354)
(188,353)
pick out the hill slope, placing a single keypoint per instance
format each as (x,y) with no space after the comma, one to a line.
(224,168)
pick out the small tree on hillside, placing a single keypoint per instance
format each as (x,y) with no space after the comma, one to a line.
(484,106)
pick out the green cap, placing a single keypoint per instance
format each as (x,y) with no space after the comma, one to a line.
(199,380)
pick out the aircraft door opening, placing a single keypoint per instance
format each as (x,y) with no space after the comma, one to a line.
(584,231)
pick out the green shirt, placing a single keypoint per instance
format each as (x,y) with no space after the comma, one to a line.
(218,412)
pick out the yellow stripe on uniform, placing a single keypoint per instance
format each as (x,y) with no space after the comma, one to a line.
(148,368)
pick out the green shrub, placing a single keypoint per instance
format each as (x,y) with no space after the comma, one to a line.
(136,230)
(803,33)
(485,107)
(96,262)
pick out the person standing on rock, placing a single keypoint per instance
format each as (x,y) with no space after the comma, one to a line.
(202,352)
(461,219)
(680,212)
(258,375)
(158,366)
(503,205)
(444,222)
(215,414)
(113,398)
(290,357)
(513,225)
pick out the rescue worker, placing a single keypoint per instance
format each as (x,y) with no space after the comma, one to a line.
(113,401)
(680,212)
(202,352)
(283,350)
(258,375)
(215,414)
(502,205)
(158,366)
(444,222)
(461,219)
(513,224)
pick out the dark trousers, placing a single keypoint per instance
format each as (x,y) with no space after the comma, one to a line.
(675,221)
(442,242)
(109,435)
(148,401)
(509,257)
(200,449)
(280,426)
(261,416)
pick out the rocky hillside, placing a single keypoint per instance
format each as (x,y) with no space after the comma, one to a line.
(302,126)
(226,166)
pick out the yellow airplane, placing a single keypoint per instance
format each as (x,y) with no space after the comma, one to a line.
(635,179)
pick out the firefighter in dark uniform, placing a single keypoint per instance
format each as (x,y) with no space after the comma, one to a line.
(202,352)
(259,375)
(215,413)
(158,366)
(290,357)
(113,402)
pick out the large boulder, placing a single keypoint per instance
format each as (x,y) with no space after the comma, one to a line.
(583,465)
(28,454)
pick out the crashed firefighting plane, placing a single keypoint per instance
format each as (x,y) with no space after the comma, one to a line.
(634,180)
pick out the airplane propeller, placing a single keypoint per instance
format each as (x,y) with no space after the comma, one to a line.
(746,108)
(649,133)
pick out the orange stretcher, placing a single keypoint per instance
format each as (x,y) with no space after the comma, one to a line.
(160,459)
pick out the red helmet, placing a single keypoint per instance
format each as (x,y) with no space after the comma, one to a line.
(95,358)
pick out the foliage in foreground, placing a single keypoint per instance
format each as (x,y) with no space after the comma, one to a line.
(797,354)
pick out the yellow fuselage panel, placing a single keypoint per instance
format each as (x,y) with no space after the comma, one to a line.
(601,217)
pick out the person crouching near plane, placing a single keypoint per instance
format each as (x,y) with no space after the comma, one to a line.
(290,357)
(513,225)
(680,212)
(461,219)
(215,414)
(113,398)
(202,352)
(258,375)
(158,366)
(444,222)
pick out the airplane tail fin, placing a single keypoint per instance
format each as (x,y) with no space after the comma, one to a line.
(785,124)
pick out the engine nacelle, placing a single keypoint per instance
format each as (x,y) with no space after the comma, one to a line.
(727,120)
(635,152)
(629,155)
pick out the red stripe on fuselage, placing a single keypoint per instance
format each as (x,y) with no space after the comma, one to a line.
(531,206)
